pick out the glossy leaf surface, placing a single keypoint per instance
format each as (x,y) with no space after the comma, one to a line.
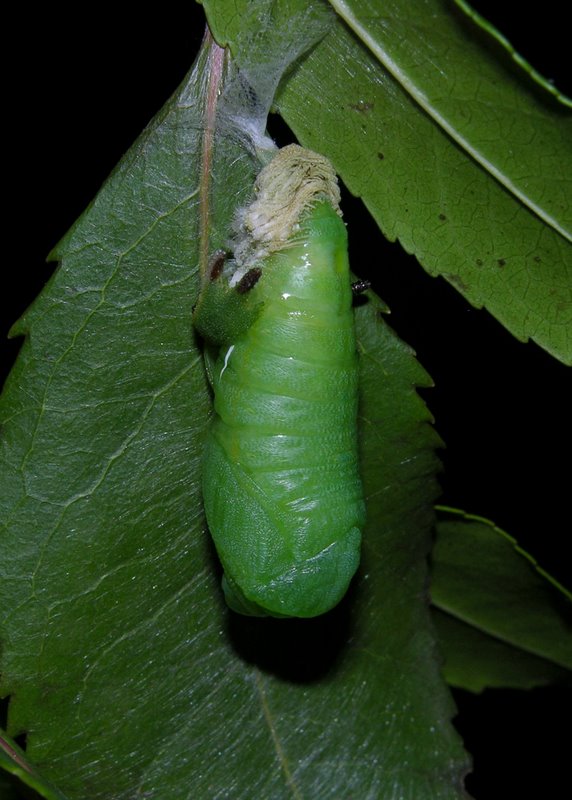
(125,670)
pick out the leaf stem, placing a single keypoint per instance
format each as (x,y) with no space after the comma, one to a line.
(215,66)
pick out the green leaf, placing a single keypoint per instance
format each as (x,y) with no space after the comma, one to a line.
(501,620)
(456,152)
(475,660)
(125,669)
(14,762)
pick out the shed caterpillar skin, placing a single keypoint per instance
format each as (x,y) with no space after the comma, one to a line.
(281,485)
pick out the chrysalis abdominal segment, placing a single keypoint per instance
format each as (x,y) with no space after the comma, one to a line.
(282,492)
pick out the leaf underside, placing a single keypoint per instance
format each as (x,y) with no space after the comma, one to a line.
(500,619)
(125,669)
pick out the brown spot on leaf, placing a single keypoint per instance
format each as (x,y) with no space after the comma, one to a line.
(362,106)
(457,281)
(501,262)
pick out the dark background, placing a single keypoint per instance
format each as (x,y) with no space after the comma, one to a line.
(80,92)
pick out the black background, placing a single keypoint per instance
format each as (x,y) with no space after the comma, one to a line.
(79,92)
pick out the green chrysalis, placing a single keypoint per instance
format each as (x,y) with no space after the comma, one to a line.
(281,485)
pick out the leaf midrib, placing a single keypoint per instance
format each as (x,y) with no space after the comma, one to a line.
(343,10)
